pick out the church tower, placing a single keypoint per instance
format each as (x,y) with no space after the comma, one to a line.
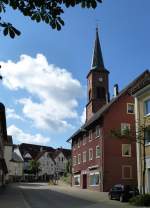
(97,81)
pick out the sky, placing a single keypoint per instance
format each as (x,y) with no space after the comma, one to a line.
(44,71)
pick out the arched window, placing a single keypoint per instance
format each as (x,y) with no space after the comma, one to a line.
(101,92)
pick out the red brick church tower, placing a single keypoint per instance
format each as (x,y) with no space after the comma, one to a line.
(98,82)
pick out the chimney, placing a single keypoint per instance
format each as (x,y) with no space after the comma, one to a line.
(116,90)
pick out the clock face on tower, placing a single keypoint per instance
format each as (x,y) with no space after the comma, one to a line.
(100,79)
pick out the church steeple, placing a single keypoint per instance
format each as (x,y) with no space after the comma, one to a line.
(97,59)
(98,82)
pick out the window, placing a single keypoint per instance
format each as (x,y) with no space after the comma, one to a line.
(78,143)
(98,152)
(79,158)
(84,157)
(97,133)
(90,135)
(84,139)
(126,150)
(147,136)
(90,154)
(77,180)
(74,160)
(101,93)
(94,179)
(127,172)
(90,95)
(125,127)
(147,107)
(130,108)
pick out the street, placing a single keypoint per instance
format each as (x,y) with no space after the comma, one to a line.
(41,195)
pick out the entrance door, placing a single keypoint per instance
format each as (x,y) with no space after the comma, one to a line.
(84,185)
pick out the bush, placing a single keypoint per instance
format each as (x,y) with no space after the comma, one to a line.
(141,200)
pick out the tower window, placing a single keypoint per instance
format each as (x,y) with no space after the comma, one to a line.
(90,95)
(101,93)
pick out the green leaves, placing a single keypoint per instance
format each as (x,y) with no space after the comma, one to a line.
(47,11)
(9,30)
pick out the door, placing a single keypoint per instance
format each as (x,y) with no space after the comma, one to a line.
(84,184)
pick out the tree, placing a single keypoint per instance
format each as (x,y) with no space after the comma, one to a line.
(34,167)
(136,134)
(47,11)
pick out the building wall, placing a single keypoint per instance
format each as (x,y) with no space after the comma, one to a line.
(140,98)
(47,165)
(8,157)
(61,162)
(114,162)
(90,166)
(16,169)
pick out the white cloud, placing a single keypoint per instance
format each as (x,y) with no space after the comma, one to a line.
(54,88)
(83,116)
(22,137)
(11,114)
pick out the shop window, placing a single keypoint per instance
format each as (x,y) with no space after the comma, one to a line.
(77,180)
(126,150)
(94,179)
(130,108)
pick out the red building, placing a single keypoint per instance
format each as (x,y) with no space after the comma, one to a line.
(100,160)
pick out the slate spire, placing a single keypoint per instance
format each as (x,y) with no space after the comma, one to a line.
(97,59)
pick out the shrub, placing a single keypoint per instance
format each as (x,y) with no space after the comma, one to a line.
(141,200)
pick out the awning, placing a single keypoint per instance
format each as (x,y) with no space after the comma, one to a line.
(3,165)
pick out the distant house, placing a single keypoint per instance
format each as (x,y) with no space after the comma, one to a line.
(62,157)
(16,165)
(3,140)
(52,161)
(141,93)
(46,165)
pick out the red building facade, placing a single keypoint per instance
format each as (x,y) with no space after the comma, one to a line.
(99,158)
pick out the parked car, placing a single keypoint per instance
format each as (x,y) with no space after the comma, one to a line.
(122,192)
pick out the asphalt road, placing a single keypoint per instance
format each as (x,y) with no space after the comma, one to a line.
(38,195)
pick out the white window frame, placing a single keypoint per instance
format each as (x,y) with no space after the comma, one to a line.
(130,104)
(90,157)
(90,135)
(97,131)
(79,159)
(94,173)
(123,146)
(84,139)
(131,173)
(84,156)
(146,113)
(128,126)
(98,156)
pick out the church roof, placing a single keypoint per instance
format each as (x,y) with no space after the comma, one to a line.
(97,59)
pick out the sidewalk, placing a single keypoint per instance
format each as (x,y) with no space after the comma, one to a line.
(11,197)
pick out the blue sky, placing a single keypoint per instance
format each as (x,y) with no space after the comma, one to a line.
(44,85)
